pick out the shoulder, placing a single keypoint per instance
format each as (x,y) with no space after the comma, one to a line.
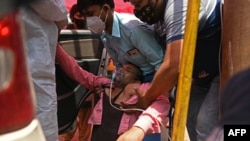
(129,21)
(125,18)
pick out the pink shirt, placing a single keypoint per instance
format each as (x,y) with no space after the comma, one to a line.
(148,120)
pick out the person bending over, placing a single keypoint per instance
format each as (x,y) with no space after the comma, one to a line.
(109,120)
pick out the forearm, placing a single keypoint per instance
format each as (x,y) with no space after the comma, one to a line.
(166,76)
(154,116)
(164,79)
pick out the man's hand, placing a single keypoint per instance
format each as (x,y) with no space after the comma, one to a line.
(133,89)
(133,134)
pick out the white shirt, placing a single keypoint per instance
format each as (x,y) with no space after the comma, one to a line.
(41,34)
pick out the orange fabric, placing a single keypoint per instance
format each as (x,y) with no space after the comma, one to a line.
(111,65)
(83,130)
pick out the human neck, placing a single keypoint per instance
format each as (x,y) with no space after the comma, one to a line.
(109,23)
(160,9)
(114,92)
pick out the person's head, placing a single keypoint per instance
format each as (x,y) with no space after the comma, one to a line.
(77,17)
(98,12)
(128,73)
(149,11)
(234,100)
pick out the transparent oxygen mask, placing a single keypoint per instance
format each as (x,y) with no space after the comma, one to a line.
(117,78)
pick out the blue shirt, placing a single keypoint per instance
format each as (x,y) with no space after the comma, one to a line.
(133,41)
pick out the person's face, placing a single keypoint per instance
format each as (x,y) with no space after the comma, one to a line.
(130,73)
(97,17)
(96,10)
(149,11)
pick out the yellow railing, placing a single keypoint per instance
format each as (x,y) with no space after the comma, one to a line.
(186,69)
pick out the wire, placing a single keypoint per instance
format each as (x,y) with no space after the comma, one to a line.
(220,49)
(121,109)
(163,127)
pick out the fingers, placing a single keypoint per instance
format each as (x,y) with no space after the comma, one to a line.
(127,105)
(138,91)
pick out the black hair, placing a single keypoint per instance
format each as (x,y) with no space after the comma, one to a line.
(83,4)
(139,73)
(73,10)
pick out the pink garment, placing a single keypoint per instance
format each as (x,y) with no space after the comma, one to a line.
(147,120)
(75,72)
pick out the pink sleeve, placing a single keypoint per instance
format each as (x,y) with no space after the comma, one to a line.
(74,71)
(155,114)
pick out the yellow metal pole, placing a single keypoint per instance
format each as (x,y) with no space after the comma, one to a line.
(186,69)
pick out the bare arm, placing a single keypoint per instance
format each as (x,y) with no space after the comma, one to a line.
(167,75)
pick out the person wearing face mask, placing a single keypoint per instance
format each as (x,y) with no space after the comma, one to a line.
(78,20)
(108,120)
(124,36)
(168,17)
(82,127)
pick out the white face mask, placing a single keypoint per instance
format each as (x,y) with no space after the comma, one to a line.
(95,24)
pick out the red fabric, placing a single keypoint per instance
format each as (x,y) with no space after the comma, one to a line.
(69,3)
(120,5)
